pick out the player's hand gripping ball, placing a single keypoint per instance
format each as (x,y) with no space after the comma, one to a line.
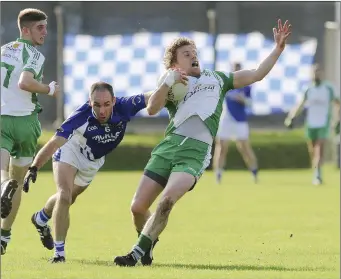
(178,83)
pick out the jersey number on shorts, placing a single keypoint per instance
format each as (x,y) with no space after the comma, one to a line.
(9,71)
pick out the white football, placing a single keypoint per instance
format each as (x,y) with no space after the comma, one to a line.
(177,92)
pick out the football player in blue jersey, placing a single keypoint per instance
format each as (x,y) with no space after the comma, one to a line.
(78,150)
(234,126)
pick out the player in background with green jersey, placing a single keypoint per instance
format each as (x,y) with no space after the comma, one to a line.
(178,161)
(319,98)
(22,68)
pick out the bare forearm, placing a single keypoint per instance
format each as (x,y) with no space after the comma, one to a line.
(243,78)
(47,151)
(158,99)
(31,85)
(44,155)
(296,111)
(268,63)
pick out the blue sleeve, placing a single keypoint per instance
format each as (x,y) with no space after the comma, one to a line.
(131,105)
(247,91)
(74,121)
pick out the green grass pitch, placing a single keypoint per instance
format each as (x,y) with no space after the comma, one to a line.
(281,228)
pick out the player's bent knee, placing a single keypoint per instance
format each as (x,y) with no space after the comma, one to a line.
(77,190)
(64,196)
(137,208)
(73,199)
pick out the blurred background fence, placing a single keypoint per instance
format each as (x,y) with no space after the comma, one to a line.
(133,64)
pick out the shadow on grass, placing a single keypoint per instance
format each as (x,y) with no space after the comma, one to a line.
(235,267)
(206,266)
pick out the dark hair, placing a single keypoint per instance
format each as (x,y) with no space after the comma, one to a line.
(237,65)
(28,16)
(101,86)
(170,54)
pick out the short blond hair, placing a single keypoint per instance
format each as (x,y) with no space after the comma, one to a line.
(169,58)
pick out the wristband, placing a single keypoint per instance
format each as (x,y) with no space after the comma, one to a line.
(170,78)
(52,86)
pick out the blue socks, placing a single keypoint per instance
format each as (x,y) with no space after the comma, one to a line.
(254,172)
(59,248)
(42,218)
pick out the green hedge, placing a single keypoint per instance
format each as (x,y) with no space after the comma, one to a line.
(274,150)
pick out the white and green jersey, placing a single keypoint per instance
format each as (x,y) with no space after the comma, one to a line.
(204,98)
(319,99)
(16,57)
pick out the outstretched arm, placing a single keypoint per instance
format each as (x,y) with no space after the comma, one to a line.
(40,160)
(47,151)
(246,77)
(73,122)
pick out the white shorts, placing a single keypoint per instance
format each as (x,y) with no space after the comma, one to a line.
(87,169)
(230,129)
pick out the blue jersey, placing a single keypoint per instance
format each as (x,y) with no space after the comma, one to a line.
(235,108)
(94,139)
